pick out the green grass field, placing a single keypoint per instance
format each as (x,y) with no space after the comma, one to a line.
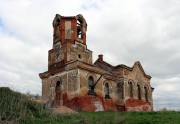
(17,107)
(168,117)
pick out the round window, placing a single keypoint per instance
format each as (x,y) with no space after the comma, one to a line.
(79,56)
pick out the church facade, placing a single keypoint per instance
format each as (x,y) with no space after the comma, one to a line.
(74,81)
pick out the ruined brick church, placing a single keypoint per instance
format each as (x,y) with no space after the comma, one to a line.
(74,81)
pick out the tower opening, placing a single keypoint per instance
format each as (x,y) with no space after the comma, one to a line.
(58,22)
(79,28)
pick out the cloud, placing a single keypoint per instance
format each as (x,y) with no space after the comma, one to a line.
(124,31)
(19,65)
(166,93)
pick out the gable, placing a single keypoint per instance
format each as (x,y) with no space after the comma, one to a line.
(138,65)
(139,74)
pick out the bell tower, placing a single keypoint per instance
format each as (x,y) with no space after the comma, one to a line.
(68,33)
(69,29)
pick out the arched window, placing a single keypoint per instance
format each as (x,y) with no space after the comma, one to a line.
(91,83)
(146,93)
(131,89)
(58,22)
(79,28)
(91,86)
(120,90)
(139,91)
(56,26)
(106,91)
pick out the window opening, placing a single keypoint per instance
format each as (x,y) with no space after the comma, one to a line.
(91,86)
(106,90)
(58,22)
(131,89)
(58,85)
(139,92)
(79,28)
(146,94)
(79,56)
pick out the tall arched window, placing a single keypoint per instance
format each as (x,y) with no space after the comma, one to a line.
(106,91)
(139,91)
(91,83)
(91,86)
(131,89)
(146,93)
(58,22)
(56,26)
(79,28)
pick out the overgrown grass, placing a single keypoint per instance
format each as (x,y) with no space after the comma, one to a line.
(82,118)
(16,106)
(168,117)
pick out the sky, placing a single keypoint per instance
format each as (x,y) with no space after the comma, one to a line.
(124,31)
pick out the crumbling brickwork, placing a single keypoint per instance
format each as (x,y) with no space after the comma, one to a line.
(73,80)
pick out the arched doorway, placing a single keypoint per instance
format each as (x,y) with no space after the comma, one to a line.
(59,93)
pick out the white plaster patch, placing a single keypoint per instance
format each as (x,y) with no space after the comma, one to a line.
(98,105)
